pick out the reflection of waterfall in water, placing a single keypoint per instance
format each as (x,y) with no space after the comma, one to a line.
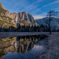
(16,45)
(16,19)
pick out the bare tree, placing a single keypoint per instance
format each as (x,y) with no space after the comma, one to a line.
(50,16)
(54,28)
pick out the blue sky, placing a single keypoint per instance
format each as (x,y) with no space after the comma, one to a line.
(38,8)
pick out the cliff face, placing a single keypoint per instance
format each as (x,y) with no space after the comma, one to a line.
(8,14)
(21,16)
(25,16)
(11,17)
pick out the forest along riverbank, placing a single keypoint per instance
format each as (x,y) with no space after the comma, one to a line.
(13,34)
(53,48)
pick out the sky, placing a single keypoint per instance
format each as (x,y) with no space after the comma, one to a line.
(38,8)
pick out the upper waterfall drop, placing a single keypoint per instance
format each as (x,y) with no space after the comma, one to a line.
(16,20)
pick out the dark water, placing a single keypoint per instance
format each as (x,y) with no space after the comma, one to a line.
(27,47)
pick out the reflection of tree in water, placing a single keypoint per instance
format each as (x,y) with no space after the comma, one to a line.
(24,44)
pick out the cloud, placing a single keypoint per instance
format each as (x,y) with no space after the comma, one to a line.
(50,4)
(35,6)
(38,17)
(32,5)
(43,14)
(39,9)
(20,4)
(57,9)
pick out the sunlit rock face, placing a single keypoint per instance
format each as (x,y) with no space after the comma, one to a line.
(5,18)
(1,6)
(23,17)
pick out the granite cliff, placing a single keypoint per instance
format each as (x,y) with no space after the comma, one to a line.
(10,18)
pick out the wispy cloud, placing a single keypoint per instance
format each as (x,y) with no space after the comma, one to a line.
(32,5)
(38,17)
(35,6)
(44,13)
(57,9)
(20,4)
(57,1)
(39,9)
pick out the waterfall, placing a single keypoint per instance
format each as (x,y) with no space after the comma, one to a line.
(16,44)
(16,19)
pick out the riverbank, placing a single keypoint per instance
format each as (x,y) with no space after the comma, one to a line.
(53,48)
(13,34)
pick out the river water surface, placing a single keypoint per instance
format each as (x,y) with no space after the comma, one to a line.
(26,47)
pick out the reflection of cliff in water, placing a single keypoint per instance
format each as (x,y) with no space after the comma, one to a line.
(24,44)
(17,44)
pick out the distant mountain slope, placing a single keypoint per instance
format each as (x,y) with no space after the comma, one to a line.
(54,22)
